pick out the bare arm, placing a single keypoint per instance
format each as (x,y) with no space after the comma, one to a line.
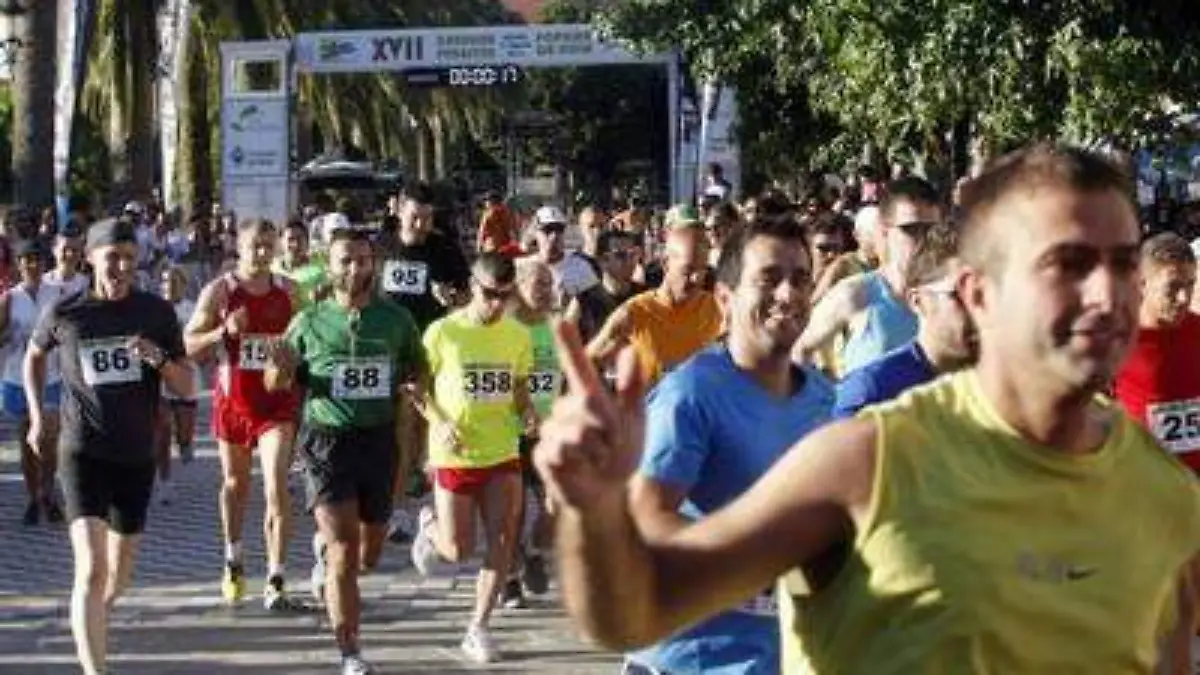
(613,335)
(1176,657)
(627,589)
(177,375)
(573,311)
(205,329)
(523,403)
(830,316)
(655,508)
(33,372)
(5,302)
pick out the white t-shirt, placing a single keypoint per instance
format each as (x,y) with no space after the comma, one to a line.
(572,276)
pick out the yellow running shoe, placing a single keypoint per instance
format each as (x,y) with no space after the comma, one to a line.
(233,584)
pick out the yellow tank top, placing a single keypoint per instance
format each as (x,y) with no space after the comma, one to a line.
(983,553)
(663,334)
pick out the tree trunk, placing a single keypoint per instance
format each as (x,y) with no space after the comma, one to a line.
(33,105)
(142,64)
(195,151)
(424,150)
(438,129)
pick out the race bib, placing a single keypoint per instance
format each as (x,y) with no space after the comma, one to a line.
(252,352)
(362,379)
(1176,424)
(488,384)
(108,361)
(406,277)
(545,383)
(763,604)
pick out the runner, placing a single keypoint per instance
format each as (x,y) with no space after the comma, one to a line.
(945,341)
(177,415)
(237,315)
(670,323)
(424,272)
(116,346)
(306,272)
(68,255)
(717,423)
(20,307)
(616,253)
(476,405)
(1030,553)
(533,307)
(351,353)
(869,307)
(572,274)
(498,228)
(1159,385)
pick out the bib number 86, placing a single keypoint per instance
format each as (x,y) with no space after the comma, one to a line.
(117,359)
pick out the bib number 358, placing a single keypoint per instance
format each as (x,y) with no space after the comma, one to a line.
(1176,425)
(362,380)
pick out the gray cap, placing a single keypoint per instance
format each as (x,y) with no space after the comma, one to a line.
(110,231)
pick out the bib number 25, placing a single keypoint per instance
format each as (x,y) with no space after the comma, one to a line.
(1177,425)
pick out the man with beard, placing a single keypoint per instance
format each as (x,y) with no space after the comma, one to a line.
(351,353)
(670,323)
(718,422)
(616,254)
(945,338)
(1004,519)
(237,316)
(1159,385)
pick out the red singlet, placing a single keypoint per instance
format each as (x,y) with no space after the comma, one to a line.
(1159,386)
(240,384)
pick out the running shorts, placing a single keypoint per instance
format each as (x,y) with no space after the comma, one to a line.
(15,404)
(470,482)
(116,492)
(235,427)
(351,463)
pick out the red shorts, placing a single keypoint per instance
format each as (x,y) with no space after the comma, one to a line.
(470,482)
(237,427)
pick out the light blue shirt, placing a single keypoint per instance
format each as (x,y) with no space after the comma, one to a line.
(712,432)
(889,323)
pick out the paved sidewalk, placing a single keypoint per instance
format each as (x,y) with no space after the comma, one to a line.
(173,621)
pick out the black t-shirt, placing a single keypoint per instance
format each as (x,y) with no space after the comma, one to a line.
(408,272)
(110,398)
(595,306)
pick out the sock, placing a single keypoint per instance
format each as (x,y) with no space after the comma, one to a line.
(233,551)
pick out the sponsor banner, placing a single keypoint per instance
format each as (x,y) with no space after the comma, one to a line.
(75,23)
(173,30)
(518,45)
(254,138)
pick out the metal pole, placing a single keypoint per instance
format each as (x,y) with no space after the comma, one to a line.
(673,127)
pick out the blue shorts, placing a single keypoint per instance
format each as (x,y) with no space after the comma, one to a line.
(12,397)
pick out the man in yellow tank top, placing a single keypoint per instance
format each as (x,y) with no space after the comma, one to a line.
(670,323)
(1005,519)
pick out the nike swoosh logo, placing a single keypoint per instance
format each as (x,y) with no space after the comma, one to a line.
(1079,573)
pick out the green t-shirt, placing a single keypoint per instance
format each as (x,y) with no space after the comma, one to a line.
(307,279)
(353,375)
(546,378)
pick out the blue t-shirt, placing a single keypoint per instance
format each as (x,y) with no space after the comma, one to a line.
(712,432)
(883,379)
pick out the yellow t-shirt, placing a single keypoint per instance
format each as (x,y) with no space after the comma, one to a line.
(474,371)
(984,553)
(663,334)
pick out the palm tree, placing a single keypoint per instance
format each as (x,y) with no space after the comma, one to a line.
(33,104)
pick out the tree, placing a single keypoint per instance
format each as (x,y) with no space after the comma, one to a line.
(33,105)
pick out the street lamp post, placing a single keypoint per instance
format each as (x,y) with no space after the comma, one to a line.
(10,44)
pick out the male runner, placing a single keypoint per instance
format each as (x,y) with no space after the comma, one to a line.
(237,316)
(870,307)
(945,337)
(1159,385)
(997,521)
(572,274)
(616,254)
(305,271)
(476,405)
(116,345)
(351,353)
(717,423)
(68,254)
(20,307)
(177,419)
(667,324)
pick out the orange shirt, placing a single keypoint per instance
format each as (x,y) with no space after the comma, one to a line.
(663,334)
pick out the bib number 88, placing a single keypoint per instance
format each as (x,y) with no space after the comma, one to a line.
(355,378)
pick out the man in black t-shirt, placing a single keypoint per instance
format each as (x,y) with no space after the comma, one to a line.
(616,253)
(116,346)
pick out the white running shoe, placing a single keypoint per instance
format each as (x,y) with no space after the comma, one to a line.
(477,645)
(424,551)
(317,580)
(355,664)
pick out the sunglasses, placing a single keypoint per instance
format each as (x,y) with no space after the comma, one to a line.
(493,294)
(916,228)
(553,228)
(828,248)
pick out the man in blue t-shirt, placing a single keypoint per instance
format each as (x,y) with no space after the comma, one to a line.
(717,423)
(945,337)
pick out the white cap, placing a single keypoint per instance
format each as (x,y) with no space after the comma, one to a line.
(550,214)
(333,222)
(866,221)
(1196,246)
(134,207)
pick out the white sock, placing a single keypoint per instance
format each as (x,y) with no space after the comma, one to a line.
(275,571)
(233,551)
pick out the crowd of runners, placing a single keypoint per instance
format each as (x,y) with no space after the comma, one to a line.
(878,431)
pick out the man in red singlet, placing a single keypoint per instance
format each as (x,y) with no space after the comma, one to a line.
(1159,385)
(236,316)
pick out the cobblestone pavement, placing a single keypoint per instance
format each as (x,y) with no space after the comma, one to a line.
(173,621)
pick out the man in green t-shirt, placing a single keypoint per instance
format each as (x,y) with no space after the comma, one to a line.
(352,352)
(305,271)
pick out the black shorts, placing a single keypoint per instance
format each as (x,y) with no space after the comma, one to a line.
(344,464)
(115,492)
(532,480)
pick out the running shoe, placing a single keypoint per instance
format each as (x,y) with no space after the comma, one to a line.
(33,514)
(233,583)
(477,645)
(511,596)
(355,664)
(317,579)
(400,527)
(54,512)
(424,551)
(276,599)
(533,574)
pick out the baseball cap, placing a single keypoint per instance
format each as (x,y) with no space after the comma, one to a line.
(550,215)
(110,231)
(683,215)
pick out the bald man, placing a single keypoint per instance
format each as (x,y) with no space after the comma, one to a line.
(670,323)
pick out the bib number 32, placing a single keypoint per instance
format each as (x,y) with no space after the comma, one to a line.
(1176,425)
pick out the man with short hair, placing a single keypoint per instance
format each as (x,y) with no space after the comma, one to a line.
(352,353)
(117,345)
(1159,384)
(945,339)
(870,307)
(298,265)
(68,256)
(993,521)
(498,228)
(616,253)
(237,316)
(572,274)
(717,423)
